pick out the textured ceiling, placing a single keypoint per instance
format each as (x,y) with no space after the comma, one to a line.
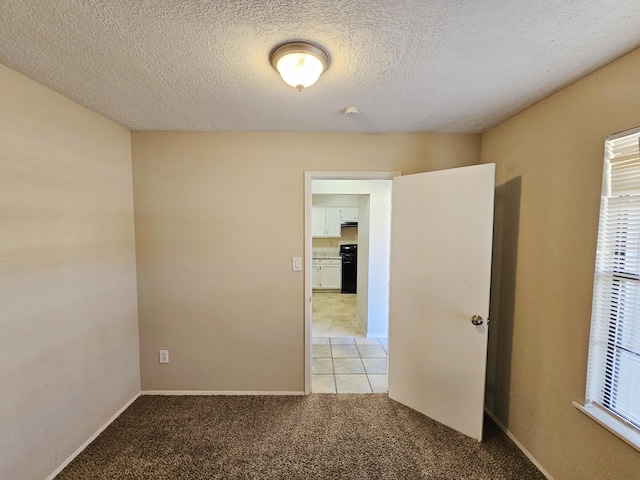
(408,65)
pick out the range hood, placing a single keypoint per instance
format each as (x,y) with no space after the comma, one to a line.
(349,224)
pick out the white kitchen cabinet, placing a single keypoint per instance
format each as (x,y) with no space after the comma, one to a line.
(315,274)
(331,274)
(348,214)
(317,222)
(326,273)
(325,222)
(332,222)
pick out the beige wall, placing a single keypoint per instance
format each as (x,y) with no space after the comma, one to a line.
(549,169)
(349,235)
(218,218)
(68,313)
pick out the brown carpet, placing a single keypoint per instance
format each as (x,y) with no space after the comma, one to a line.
(280,437)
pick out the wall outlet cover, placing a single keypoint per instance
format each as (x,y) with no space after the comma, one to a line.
(164,356)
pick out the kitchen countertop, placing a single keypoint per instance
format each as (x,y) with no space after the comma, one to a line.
(333,256)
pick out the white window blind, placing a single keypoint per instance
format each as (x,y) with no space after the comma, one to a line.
(613,375)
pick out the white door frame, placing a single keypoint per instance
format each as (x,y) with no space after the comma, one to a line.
(309,176)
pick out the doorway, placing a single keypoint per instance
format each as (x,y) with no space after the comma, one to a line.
(341,363)
(438,285)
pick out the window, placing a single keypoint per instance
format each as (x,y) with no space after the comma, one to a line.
(613,373)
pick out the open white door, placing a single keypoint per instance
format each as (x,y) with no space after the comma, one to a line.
(441,235)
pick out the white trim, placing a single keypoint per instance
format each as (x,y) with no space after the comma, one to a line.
(353,175)
(518,444)
(377,335)
(92,438)
(623,133)
(360,322)
(308,282)
(615,425)
(218,392)
(309,176)
(157,392)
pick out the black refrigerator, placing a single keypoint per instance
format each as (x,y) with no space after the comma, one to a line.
(349,254)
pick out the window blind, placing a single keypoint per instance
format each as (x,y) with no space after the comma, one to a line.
(613,376)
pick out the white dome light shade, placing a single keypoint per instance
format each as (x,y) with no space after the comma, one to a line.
(299,69)
(299,64)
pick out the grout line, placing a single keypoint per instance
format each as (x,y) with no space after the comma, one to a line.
(353,333)
(369,381)
(333,366)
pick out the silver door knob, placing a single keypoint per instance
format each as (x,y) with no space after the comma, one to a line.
(476,320)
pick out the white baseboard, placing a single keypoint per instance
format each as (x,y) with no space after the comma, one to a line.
(155,392)
(518,444)
(236,393)
(377,335)
(216,392)
(92,438)
(369,335)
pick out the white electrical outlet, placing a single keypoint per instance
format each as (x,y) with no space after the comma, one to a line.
(164,356)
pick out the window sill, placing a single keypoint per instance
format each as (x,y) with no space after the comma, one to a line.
(616,426)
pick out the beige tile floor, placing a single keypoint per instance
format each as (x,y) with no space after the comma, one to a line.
(334,315)
(343,359)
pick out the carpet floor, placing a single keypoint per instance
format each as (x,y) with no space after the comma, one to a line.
(288,437)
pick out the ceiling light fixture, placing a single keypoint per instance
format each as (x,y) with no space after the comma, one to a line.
(300,64)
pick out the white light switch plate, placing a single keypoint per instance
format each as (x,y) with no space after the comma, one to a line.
(297,264)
